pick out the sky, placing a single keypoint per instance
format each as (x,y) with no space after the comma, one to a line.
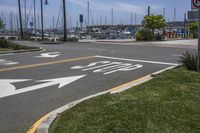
(98,9)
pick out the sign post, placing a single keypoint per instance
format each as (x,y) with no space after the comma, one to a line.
(196,5)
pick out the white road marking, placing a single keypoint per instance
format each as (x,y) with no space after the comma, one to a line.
(129,68)
(7,89)
(6,54)
(108,67)
(176,55)
(133,60)
(49,55)
(112,63)
(7,63)
(102,50)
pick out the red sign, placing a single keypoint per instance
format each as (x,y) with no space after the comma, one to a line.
(195,4)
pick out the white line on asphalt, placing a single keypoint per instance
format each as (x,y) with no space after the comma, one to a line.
(176,55)
(102,50)
(134,60)
(6,54)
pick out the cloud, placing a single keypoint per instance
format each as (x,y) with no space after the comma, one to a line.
(117,6)
(8,9)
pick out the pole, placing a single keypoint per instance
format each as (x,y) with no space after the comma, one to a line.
(88,13)
(35,19)
(105,20)
(112,17)
(174,14)
(20,19)
(135,19)
(42,21)
(184,25)
(25,15)
(163,12)
(198,53)
(131,18)
(65,24)
(149,10)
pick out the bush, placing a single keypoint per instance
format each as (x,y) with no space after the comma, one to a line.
(189,60)
(158,37)
(7,44)
(144,35)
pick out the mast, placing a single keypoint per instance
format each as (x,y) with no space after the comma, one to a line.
(20,18)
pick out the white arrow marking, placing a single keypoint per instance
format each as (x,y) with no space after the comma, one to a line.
(7,89)
(7,63)
(49,55)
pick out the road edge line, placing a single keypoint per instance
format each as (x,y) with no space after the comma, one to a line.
(44,123)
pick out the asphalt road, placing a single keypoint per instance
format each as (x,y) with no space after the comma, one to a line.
(33,84)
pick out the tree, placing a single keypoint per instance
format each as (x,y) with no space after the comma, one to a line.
(1,24)
(193,27)
(154,22)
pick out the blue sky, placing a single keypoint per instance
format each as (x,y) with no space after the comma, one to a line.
(122,9)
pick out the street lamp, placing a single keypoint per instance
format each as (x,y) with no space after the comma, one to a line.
(42,21)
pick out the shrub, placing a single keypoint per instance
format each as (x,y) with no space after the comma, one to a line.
(144,35)
(7,44)
(158,37)
(189,60)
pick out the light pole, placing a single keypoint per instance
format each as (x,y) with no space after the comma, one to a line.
(65,24)
(42,18)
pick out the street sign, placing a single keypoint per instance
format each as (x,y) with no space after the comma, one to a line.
(193,15)
(81,18)
(195,4)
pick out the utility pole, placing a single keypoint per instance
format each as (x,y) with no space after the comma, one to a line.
(65,22)
(20,19)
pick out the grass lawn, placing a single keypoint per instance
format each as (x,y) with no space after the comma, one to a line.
(4,49)
(170,103)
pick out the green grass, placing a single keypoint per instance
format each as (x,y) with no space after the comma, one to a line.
(170,103)
(4,49)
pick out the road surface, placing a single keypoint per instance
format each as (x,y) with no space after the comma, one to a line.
(36,83)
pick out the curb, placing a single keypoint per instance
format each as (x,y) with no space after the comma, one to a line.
(22,51)
(44,123)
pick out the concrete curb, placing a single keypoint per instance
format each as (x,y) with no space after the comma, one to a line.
(46,123)
(43,125)
(22,51)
